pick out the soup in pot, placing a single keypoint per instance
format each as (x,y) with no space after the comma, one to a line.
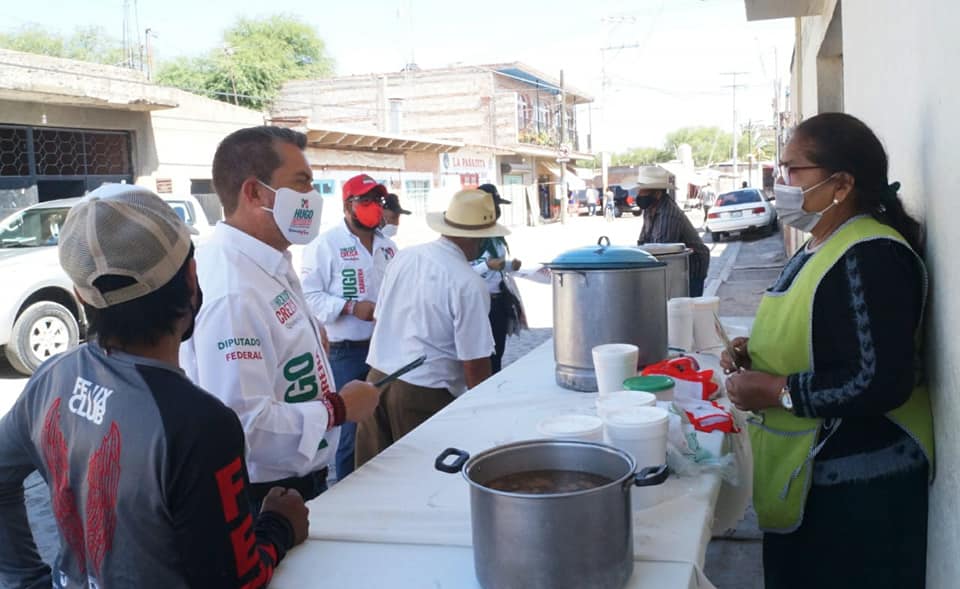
(544,482)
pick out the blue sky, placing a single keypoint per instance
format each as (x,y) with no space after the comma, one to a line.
(672,79)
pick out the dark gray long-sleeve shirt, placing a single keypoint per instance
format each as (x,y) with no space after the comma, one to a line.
(146,475)
(666,223)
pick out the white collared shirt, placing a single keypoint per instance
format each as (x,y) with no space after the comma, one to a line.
(337,268)
(257,348)
(431,303)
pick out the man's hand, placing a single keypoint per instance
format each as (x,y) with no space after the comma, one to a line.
(516,265)
(742,358)
(289,504)
(496,263)
(363,310)
(360,399)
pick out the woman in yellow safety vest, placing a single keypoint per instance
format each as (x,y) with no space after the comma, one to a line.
(841,431)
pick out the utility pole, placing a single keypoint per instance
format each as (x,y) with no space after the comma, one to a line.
(562,158)
(603,143)
(736,173)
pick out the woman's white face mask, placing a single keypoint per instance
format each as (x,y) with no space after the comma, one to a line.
(389,230)
(789,205)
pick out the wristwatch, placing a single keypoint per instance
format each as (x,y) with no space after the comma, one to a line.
(786,401)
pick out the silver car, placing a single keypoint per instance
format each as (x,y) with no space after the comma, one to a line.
(741,211)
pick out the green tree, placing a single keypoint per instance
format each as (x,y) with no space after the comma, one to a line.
(256,58)
(87,43)
(641,156)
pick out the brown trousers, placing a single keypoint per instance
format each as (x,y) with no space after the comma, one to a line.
(402,407)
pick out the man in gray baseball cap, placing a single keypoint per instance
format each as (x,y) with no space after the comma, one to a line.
(146,471)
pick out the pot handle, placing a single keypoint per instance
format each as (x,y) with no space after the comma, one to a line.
(649,476)
(454,467)
(602,238)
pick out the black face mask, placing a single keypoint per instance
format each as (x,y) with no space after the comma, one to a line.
(193,316)
(645,201)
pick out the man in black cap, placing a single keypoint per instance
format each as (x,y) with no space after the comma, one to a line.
(506,310)
(391,215)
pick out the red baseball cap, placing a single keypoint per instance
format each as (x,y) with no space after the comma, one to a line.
(362,184)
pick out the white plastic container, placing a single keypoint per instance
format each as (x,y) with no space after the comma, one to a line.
(614,363)
(641,431)
(609,402)
(585,428)
(704,331)
(680,323)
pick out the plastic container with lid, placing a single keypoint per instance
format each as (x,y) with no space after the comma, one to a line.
(680,323)
(609,402)
(585,428)
(642,431)
(704,329)
(661,386)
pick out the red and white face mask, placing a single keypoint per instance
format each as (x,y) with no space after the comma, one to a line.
(367,213)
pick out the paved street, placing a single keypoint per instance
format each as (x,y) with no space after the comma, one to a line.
(739,271)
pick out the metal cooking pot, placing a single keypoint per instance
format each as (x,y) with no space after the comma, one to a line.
(606,294)
(552,541)
(677,257)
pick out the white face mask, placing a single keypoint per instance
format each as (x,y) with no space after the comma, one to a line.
(297,214)
(789,205)
(389,230)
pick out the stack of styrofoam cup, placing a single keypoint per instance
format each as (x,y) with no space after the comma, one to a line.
(704,330)
(613,364)
(609,402)
(642,432)
(680,323)
(585,428)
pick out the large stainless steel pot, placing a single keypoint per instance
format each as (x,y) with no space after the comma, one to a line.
(552,541)
(677,257)
(604,295)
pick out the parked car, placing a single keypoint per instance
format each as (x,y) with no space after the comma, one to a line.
(741,211)
(625,199)
(40,315)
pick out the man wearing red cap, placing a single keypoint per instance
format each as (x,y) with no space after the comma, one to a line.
(341,271)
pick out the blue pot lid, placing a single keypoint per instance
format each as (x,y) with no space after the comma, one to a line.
(604,256)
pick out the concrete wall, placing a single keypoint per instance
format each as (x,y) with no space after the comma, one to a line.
(899,60)
(176,144)
(185,138)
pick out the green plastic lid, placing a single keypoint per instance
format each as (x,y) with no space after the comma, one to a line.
(652,384)
(604,256)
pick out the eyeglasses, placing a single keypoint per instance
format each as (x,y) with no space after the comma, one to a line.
(785,169)
(366,198)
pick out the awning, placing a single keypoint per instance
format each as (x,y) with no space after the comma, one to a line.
(767,9)
(551,168)
(369,140)
(331,158)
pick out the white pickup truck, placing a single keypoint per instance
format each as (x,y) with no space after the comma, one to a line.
(40,315)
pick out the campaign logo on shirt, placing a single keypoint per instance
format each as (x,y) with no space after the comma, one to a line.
(350,253)
(389,252)
(284,307)
(240,348)
(353,282)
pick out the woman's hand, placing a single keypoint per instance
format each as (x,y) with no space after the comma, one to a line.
(742,358)
(751,390)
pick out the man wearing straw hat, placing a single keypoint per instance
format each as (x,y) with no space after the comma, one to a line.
(431,303)
(665,222)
